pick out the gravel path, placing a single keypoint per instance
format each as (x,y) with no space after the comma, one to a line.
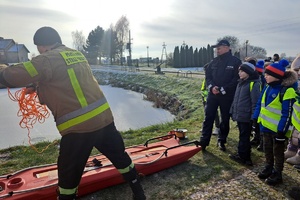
(248,186)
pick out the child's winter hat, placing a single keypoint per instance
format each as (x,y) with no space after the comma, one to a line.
(247,67)
(260,66)
(251,60)
(277,69)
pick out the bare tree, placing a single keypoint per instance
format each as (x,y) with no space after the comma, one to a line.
(282,55)
(122,31)
(78,40)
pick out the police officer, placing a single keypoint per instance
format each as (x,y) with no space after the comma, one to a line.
(82,114)
(221,79)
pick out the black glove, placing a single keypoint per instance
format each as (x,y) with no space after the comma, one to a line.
(280,137)
(31,88)
(254,124)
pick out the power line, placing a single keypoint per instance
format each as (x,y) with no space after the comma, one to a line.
(272,27)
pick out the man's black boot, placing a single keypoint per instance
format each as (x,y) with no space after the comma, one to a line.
(138,192)
(202,144)
(221,146)
(134,182)
(266,172)
(275,178)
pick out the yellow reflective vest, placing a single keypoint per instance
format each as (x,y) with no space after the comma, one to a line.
(270,115)
(296,115)
(204,91)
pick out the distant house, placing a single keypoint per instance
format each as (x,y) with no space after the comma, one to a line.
(12,52)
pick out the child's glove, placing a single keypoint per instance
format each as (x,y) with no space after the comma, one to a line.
(280,137)
(254,124)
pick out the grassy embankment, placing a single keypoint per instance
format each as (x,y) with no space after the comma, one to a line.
(177,182)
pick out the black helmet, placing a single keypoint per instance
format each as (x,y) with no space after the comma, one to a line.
(46,36)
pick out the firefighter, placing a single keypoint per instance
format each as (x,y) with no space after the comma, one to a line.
(64,82)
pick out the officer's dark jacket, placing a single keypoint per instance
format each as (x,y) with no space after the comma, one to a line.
(223,72)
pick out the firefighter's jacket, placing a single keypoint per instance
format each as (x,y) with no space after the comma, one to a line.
(66,85)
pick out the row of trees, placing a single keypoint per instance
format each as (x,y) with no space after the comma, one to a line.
(187,57)
(101,43)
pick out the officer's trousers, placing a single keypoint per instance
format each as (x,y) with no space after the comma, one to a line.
(213,102)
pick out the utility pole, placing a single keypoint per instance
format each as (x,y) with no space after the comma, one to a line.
(129,61)
(164,52)
(148,55)
(247,47)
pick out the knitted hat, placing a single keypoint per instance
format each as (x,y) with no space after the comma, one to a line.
(46,36)
(296,63)
(251,60)
(277,69)
(260,66)
(247,67)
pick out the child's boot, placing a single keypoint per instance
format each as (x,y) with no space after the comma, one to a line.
(275,178)
(266,172)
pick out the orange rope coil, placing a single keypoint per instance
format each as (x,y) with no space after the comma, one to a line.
(30,110)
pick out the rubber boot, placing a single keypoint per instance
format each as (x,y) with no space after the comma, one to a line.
(138,192)
(133,179)
(275,178)
(266,172)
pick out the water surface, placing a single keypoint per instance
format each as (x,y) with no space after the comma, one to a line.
(129,109)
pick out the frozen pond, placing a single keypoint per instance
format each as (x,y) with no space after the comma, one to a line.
(129,109)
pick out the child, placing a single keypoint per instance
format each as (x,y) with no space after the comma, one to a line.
(273,111)
(243,106)
(292,154)
(259,67)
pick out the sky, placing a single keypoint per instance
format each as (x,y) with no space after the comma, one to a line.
(271,24)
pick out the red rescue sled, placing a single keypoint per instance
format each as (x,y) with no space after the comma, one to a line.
(40,182)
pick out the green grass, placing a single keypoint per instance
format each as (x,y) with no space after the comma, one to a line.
(177,182)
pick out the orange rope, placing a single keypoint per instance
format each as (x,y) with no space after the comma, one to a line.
(30,110)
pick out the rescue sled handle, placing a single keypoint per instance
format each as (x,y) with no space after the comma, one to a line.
(180,145)
(160,137)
